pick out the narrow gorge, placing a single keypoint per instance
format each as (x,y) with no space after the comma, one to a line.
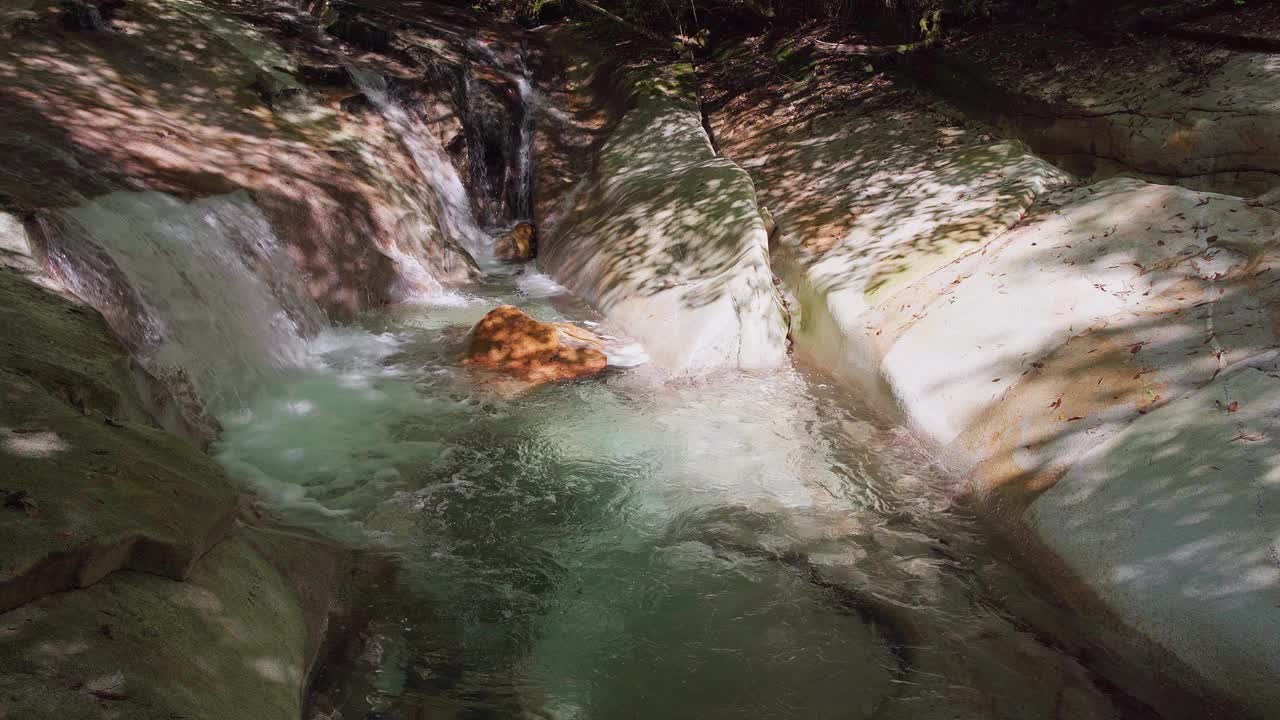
(391,359)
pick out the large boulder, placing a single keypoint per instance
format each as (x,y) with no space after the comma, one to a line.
(517,244)
(510,342)
(667,241)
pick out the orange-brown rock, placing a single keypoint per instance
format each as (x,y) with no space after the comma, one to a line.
(517,245)
(508,341)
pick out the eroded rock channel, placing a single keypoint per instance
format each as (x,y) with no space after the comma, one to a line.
(391,360)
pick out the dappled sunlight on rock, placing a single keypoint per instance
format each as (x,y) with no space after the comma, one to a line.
(1163,108)
(511,342)
(1072,349)
(183,116)
(667,241)
(277,671)
(31,444)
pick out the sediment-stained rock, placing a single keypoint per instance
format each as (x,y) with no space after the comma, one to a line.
(510,342)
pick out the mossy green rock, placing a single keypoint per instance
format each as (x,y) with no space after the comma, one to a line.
(89,486)
(227,644)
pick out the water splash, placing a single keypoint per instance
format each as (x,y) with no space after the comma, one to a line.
(201,291)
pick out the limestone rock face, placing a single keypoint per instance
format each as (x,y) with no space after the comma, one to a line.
(1097,359)
(1096,384)
(516,245)
(1086,349)
(667,241)
(125,589)
(866,204)
(508,341)
(1173,522)
(194,100)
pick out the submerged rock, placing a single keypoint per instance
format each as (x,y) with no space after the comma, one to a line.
(517,245)
(511,342)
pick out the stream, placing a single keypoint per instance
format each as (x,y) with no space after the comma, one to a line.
(746,545)
(741,545)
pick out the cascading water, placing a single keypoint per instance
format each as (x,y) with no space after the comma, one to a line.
(524,152)
(453,209)
(743,546)
(739,547)
(201,290)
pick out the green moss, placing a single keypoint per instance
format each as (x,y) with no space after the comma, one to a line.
(677,82)
(64,347)
(226,645)
(108,489)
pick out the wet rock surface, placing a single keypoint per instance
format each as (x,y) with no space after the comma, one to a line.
(667,241)
(127,589)
(194,98)
(510,342)
(1076,320)
(516,245)
(227,643)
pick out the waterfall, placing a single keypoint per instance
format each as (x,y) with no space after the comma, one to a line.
(452,206)
(202,292)
(516,189)
(524,152)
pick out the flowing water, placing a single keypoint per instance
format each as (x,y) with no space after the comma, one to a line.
(453,209)
(200,290)
(740,546)
(744,546)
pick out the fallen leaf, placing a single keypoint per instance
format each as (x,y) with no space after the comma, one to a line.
(1234,406)
(1073,419)
(1055,404)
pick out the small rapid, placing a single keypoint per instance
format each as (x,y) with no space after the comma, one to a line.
(745,545)
(203,292)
